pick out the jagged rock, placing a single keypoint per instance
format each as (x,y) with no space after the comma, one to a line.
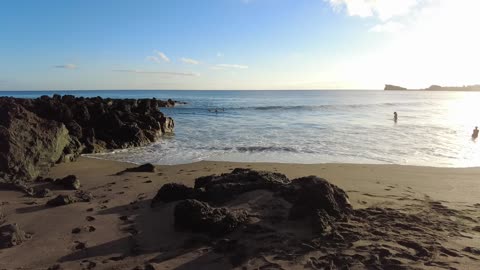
(201,217)
(68,182)
(84,196)
(226,186)
(43,193)
(312,194)
(36,133)
(321,222)
(142,168)
(60,200)
(11,235)
(172,192)
(29,145)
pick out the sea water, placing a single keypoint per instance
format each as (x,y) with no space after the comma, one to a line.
(433,129)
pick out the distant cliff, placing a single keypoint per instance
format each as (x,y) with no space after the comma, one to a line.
(454,88)
(434,87)
(394,87)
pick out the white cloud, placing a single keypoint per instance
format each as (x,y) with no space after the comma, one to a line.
(388,27)
(158,57)
(66,66)
(165,73)
(189,61)
(383,9)
(229,66)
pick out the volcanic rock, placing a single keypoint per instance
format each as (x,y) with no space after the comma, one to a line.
(224,187)
(37,133)
(60,200)
(201,217)
(68,182)
(29,145)
(147,167)
(312,194)
(11,235)
(172,192)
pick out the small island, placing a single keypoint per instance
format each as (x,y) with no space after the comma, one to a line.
(476,87)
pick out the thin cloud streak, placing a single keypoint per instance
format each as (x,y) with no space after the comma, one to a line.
(229,66)
(66,66)
(158,57)
(383,9)
(165,73)
(189,61)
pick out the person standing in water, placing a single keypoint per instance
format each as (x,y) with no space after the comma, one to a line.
(395,116)
(475,133)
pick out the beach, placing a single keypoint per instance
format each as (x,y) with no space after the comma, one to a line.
(119,229)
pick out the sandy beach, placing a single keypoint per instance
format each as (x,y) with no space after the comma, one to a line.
(119,230)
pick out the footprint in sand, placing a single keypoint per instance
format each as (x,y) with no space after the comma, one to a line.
(84,229)
(90,210)
(90,218)
(148,181)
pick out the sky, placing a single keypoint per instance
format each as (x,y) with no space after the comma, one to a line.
(237,44)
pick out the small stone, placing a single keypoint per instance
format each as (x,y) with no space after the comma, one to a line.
(60,200)
(69,182)
(11,235)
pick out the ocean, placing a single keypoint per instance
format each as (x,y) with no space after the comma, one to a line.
(433,129)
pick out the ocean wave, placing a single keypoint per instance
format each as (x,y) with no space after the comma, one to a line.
(305,107)
(253,149)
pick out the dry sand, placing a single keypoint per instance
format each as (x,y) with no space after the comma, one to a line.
(120,231)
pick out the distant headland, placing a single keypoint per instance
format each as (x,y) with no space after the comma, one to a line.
(476,87)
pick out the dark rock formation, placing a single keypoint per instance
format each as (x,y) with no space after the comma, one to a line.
(61,200)
(43,193)
(68,182)
(271,196)
(36,133)
(393,87)
(223,187)
(11,235)
(201,217)
(172,192)
(29,145)
(312,194)
(147,167)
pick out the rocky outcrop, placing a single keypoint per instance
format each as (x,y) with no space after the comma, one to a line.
(199,216)
(271,196)
(172,192)
(220,188)
(36,133)
(147,167)
(68,182)
(11,235)
(61,200)
(29,145)
(393,87)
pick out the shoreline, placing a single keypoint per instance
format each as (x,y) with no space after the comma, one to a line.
(408,189)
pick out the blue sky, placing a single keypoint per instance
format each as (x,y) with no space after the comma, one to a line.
(236,44)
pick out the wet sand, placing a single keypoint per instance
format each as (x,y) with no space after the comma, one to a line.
(422,217)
